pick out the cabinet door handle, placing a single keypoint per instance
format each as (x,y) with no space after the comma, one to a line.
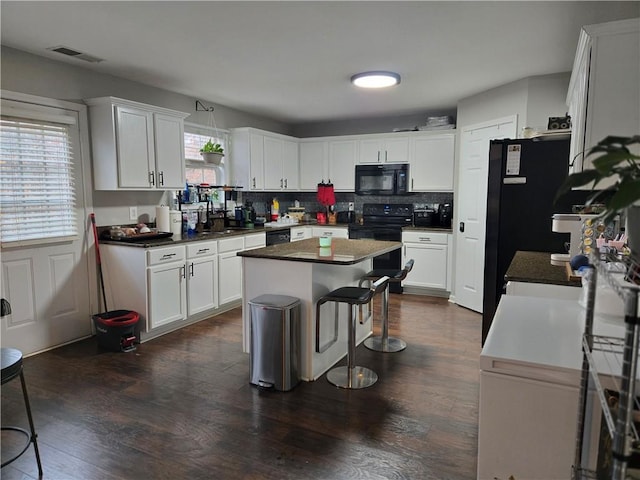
(281,183)
(285,184)
(183,271)
(378,156)
(412,184)
(167,255)
(191,270)
(386,156)
(160,178)
(254,182)
(203,250)
(424,239)
(152,178)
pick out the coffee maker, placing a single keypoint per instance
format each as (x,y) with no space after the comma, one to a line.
(445,214)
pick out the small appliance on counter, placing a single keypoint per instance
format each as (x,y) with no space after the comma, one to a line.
(347,217)
(425,217)
(573,224)
(445,214)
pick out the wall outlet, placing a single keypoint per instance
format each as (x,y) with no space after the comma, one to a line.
(133,213)
(352,206)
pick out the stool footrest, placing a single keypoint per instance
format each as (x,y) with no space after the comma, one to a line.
(388,345)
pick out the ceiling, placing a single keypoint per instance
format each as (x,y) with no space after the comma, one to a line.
(291,61)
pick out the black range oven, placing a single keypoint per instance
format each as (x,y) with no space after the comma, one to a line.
(382,221)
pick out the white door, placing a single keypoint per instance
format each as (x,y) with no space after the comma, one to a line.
(471,209)
(169,150)
(51,286)
(290,165)
(430,268)
(136,157)
(202,290)
(342,164)
(273,179)
(167,295)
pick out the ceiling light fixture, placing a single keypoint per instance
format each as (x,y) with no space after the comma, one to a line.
(377,79)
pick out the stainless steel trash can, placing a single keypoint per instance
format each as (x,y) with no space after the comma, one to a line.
(275,342)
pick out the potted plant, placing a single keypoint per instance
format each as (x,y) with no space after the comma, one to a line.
(616,161)
(212,152)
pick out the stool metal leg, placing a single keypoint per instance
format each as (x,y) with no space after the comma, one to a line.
(31,426)
(385,343)
(352,376)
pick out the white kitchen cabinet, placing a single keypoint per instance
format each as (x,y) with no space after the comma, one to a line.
(343,155)
(383,148)
(300,233)
(264,161)
(202,277)
(166,286)
(136,146)
(432,160)
(330,231)
(314,159)
(430,252)
(603,94)
(229,270)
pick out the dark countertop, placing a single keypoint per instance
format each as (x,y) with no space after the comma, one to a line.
(535,267)
(235,231)
(342,251)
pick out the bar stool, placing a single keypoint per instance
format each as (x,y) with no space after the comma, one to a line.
(385,343)
(350,376)
(11,360)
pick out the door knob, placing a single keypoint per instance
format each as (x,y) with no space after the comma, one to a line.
(462,226)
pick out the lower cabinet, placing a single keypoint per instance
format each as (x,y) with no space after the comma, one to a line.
(430,252)
(169,285)
(202,277)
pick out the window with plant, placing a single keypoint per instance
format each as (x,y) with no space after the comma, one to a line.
(195,138)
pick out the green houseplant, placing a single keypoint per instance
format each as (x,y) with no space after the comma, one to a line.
(212,152)
(615,160)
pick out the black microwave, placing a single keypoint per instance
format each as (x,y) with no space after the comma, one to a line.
(384,179)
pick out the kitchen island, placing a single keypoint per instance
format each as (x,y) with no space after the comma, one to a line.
(305,270)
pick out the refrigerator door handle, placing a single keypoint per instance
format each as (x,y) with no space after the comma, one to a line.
(462,226)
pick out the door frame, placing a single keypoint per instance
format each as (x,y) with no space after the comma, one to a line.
(84,192)
(456,268)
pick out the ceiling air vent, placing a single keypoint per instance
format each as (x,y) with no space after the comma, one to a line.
(70,52)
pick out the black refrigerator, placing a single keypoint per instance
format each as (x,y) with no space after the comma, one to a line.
(524,177)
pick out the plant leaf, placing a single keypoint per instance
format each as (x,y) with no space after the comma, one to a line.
(628,193)
(606,162)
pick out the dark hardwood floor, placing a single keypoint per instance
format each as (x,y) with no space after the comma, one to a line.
(181,407)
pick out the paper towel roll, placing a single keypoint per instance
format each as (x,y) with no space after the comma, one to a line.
(162,219)
(175,217)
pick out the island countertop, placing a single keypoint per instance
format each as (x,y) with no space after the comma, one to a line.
(342,251)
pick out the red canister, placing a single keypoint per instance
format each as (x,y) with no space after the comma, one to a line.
(321,217)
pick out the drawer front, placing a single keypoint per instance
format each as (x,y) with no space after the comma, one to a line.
(231,244)
(299,233)
(159,256)
(255,241)
(425,237)
(202,249)
(330,232)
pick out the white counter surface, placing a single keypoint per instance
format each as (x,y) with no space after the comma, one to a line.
(542,339)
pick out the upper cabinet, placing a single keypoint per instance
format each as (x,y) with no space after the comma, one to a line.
(314,168)
(383,148)
(263,160)
(432,161)
(343,154)
(136,146)
(603,96)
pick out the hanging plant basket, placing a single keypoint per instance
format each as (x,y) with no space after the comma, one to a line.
(212,157)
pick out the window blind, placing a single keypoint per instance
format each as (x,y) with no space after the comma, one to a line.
(37,188)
